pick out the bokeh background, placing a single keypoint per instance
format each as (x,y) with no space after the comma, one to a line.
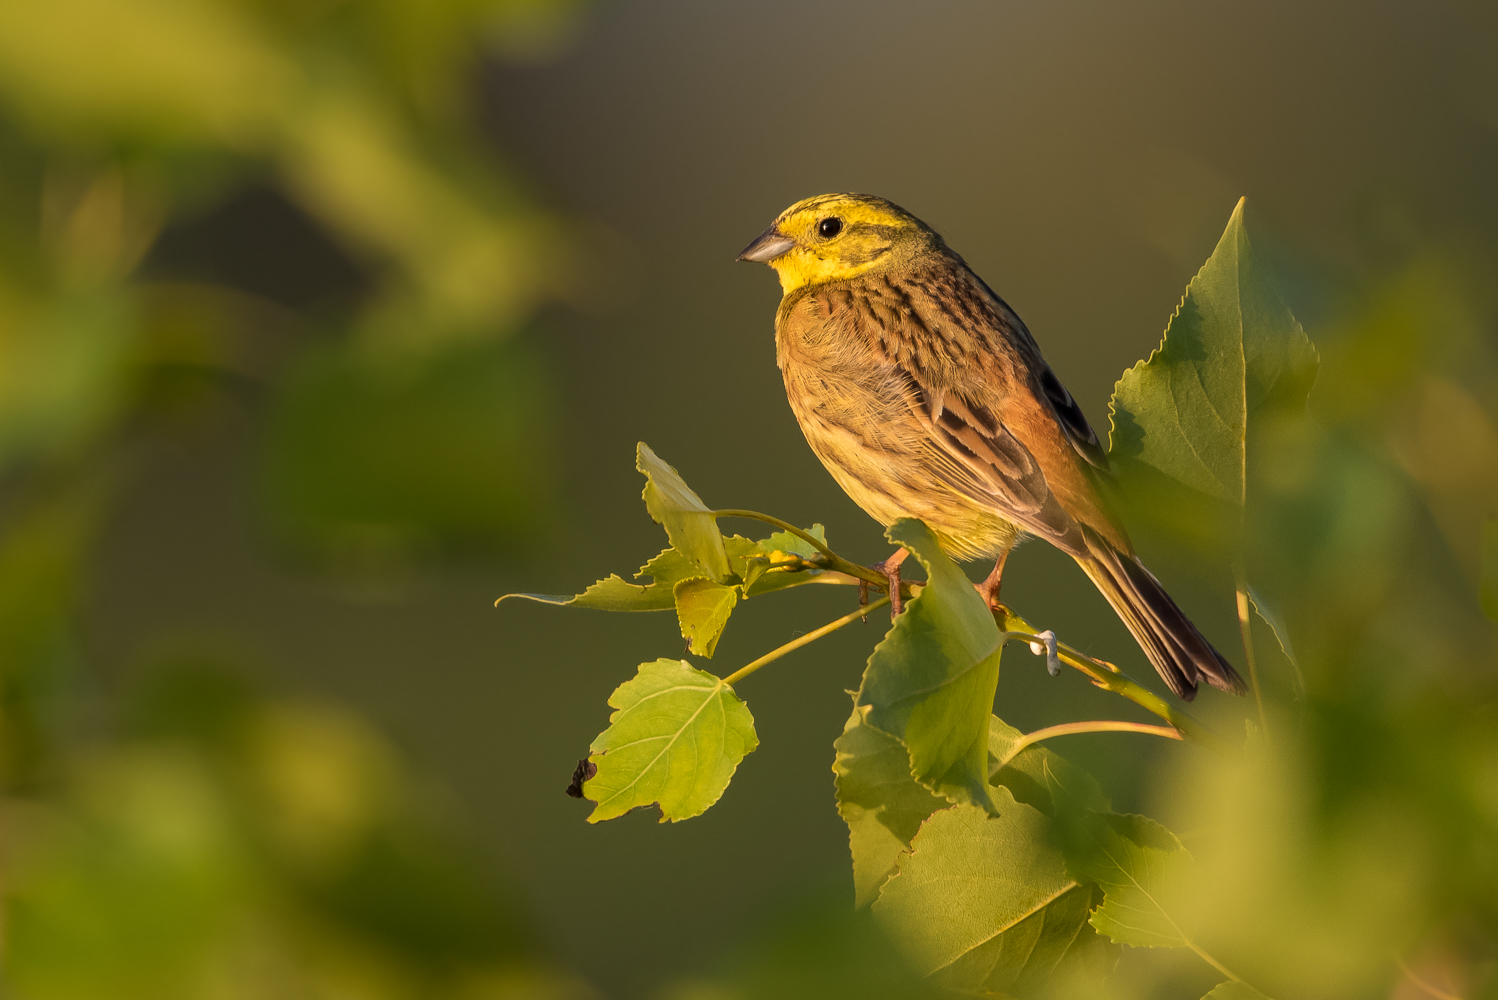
(323,324)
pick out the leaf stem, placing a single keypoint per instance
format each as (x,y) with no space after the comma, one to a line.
(797,643)
(1070,728)
(1245,626)
(1106,675)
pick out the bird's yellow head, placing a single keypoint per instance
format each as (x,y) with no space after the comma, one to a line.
(833,237)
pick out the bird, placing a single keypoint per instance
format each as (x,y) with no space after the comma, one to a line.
(925,396)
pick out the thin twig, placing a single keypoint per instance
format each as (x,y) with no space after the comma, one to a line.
(796,644)
(1070,728)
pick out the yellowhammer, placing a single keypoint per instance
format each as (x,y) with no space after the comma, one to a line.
(925,396)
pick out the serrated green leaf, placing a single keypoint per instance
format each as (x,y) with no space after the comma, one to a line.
(616,594)
(1234,991)
(784,541)
(1232,353)
(880,801)
(1024,959)
(1139,864)
(1039,777)
(702,609)
(609,594)
(767,565)
(1488,588)
(689,522)
(969,879)
(930,682)
(675,741)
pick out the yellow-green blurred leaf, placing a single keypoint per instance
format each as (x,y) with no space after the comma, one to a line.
(1234,991)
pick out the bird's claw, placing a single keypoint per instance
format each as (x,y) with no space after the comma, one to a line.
(892,575)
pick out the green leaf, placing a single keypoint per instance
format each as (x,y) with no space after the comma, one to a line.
(1232,354)
(879,800)
(1488,589)
(689,523)
(1234,991)
(1022,960)
(775,563)
(1039,777)
(675,741)
(702,608)
(615,594)
(1270,615)
(969,881)
(930,682)
(1138,863)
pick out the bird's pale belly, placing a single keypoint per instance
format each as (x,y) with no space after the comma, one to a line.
(886,462)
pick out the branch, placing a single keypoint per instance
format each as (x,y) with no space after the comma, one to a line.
(796,644)
(1106,675)
(1070,728)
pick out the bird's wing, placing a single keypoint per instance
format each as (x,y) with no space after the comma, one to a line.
(1003,430)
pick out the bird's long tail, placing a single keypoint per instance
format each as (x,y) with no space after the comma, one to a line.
(1178,651)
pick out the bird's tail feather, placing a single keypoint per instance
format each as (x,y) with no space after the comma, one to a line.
(1178,651)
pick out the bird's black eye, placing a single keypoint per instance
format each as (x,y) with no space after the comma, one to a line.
(829,228)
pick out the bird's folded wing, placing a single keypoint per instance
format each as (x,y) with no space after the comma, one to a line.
(976,454)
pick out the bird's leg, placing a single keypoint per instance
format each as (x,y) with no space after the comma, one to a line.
(989,588)
(891,570)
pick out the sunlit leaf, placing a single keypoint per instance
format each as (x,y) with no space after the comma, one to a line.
(1138,863)
(879,800)
(1232,353)
(675,741)
(969,880)
(616,594)
(1234,991)
(702,608)
(1488,593)
(777,562)
(930,682)
(689,523)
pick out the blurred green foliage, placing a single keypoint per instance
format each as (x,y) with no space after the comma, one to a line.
(194,839)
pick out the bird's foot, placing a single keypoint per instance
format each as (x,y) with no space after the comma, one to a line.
(989,588)
(891,570)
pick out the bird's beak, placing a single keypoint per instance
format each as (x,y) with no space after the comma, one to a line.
(767,246)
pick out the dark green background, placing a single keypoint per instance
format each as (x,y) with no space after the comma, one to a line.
(1082,157)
